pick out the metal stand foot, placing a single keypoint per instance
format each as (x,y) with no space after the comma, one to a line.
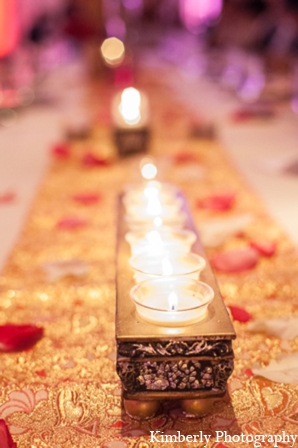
(140,410)
(197,407)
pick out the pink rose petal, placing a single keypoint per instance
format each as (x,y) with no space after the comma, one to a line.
(115,444)
(91,160)
(71,223)
(19,337)
(220,422)
(240,314)
(5,437)
(264,247)
(87,198)
(61,150)
(235,385)
(8,197)
(217,202)
(235,261)
(134,433)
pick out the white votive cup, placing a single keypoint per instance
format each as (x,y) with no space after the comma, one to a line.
(164,239)
(141,193)
(172,302)
(148,266)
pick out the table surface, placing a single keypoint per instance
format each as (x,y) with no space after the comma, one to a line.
(64,392)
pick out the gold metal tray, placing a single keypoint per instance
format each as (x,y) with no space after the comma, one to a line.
(161,363)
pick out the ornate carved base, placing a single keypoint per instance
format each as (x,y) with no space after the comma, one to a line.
(201,367)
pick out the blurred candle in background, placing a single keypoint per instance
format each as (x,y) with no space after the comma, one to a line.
(9,26)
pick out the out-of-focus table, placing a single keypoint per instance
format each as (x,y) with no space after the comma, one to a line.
(64,392)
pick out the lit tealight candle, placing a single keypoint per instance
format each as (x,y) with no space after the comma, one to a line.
(144,213)
(154,240)
(147,265)
(172,301)
(153,208)
(150,187)
(161,239)
(150,194)
(168,218)
(130,109)
(130,117)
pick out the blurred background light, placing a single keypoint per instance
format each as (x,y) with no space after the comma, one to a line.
(132,4)
(113,51)
(195,13)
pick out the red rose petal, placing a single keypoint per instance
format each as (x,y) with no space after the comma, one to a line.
(87,198)
(119,424)
(185,157)
(170,117)
(265,248)
(217,202)
(235,261)
(123,76)
(71,223)
(42,373)
(245,114)
(159,422)
(241,115)
(91,160)
(249,373)
(5,437)
(19,337)
(104,118)
(61,150)
(240,314)
(7,198)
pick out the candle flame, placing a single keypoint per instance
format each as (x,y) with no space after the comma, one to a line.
(166,267)
(173,301)
(130,105)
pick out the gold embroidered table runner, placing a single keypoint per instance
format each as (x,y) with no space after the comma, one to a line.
(64,392)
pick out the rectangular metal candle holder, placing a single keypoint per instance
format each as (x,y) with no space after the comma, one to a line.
(163,363)
(131,140)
